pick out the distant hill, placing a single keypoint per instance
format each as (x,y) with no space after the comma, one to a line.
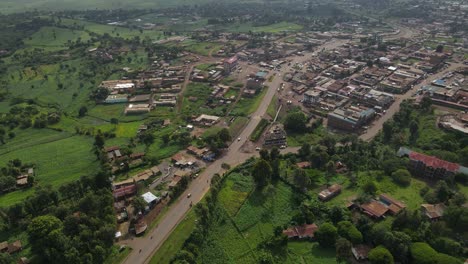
(13,6)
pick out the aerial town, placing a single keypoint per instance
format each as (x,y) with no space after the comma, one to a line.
(234,132)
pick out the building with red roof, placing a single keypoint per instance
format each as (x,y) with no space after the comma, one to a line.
(302,231)
(429,166)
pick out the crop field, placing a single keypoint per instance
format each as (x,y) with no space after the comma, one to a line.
(252,216)
(57,160)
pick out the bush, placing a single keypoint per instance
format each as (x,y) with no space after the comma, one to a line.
(402,177)
(347,230)
(380,255)
(326,235)
(422,253)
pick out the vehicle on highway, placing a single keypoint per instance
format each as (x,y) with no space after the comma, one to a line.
(257,148)
(189,195)
(238,139)
(282,146)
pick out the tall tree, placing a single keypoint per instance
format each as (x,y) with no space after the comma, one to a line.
(261,173)
(343,250)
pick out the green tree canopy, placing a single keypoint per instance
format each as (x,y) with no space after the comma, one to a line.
(326,235)
(261,173)
(380,255)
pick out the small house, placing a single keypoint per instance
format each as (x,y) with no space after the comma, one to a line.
(301,232)
(433,211)
(360,252)
(330,192)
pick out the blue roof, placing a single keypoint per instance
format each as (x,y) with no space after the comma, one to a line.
(439,82)
(261,74)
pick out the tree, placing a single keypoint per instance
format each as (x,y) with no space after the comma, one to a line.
(224,135)
(439,48)
(402,177)
(426,103)
(380,255)
(347,230)
(46,238)
(296,122)
(139,204)
(388,129)
(343,250)
(165,138)
(264,154)
(301,180)
(442,191)
(304,151)
(422,253)
(326,235)
(5,258)
(370,187)
(261,173)
(414,131)
(82,112)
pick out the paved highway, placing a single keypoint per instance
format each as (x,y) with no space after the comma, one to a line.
(145,247)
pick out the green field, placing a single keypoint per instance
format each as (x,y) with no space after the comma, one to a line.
(59,158)
(54,38)
(246,106)
(202,48)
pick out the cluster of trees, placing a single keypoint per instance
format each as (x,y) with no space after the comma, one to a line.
(75,224)
(26,116)
(266,169)
(9,173)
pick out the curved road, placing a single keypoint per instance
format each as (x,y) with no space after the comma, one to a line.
(145,247)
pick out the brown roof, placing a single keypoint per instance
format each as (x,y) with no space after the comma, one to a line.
(137,155)
(434,211)
(330,192)
(140,227)
(374,208)
(175,181)
(361,251)
(3,246)
(112,148)
(301,231)
(304,164)
(15,247)
(392,200)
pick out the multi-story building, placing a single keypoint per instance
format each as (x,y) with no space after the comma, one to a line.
(312,97)
(275,137)
(431,167)
(351,118)
(230,64)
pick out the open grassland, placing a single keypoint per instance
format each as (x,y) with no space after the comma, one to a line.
(57,161)
(202,48)
(54,38)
